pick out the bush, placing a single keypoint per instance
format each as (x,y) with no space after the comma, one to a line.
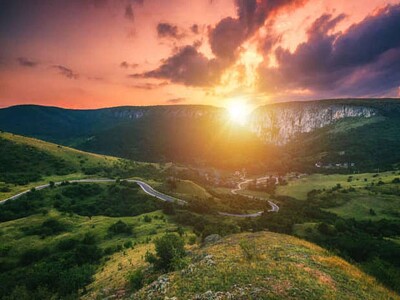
(326,229)
(33,255)
(128,244)
(147,219)
(136,280)
(396,180)
(169,252)
(192,240)
(120,227)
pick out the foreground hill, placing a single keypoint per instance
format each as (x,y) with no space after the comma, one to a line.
(265,265)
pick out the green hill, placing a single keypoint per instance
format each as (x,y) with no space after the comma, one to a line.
(265,265)
(27,162)
(369,143)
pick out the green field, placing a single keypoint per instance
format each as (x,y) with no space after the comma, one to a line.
(299,187)
(359,204)
(186,189)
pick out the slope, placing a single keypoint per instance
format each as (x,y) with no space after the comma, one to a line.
(265,265)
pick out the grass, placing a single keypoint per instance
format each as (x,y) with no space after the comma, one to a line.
(70,155)
(285,268)
(75,159)
(359,204)
(113,270)
(11,233)
(299,187)
(15,189)
(305,229)
(351,123)
(187,188)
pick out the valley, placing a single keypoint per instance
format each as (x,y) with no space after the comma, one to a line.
(93,218)
(199,150)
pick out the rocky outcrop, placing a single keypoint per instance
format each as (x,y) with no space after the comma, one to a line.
(181,111)
(278,123)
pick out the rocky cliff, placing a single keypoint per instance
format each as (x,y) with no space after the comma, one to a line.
(278,123)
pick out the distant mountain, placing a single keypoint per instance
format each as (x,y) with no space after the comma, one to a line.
(326,135)
(195,134)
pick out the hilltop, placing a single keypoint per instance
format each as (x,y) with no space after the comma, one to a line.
(265,265)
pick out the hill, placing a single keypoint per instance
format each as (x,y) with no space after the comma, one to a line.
(194,134)
(26,162)
(331,136)
(328,136)
(265,265)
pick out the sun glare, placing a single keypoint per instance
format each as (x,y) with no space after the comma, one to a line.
(239,111)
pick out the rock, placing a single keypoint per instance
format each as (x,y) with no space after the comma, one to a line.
(211,239)
(278,123)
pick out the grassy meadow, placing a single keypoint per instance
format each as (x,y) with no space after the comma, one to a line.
(267,265)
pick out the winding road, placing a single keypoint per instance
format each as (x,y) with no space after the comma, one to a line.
(147,189)
(274,207)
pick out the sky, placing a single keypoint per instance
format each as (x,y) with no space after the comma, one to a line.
(103,53)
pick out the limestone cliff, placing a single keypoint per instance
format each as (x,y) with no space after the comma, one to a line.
(278,123)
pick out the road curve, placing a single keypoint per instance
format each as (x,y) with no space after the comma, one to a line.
(144,186)
(274,207)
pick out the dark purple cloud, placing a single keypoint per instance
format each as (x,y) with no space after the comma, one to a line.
(167,30)
(27,62)
(194,28)
(126,65)
(363,61)
(148,85)
(66,72)
(226,37)
(187,66)
(230,32)
(190,67)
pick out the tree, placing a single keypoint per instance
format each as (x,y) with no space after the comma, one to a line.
(169,252)
(120,227)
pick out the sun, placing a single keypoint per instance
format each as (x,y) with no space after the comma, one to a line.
(238,111)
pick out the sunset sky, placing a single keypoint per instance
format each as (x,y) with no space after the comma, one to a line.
(102,53)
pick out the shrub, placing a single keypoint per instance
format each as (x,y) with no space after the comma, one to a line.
(120,227)
(136,280)
(326,229)
(396,180)
(192,240)
(147,219)
(48,228)
(128,244)
(169,252)
(32,255)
